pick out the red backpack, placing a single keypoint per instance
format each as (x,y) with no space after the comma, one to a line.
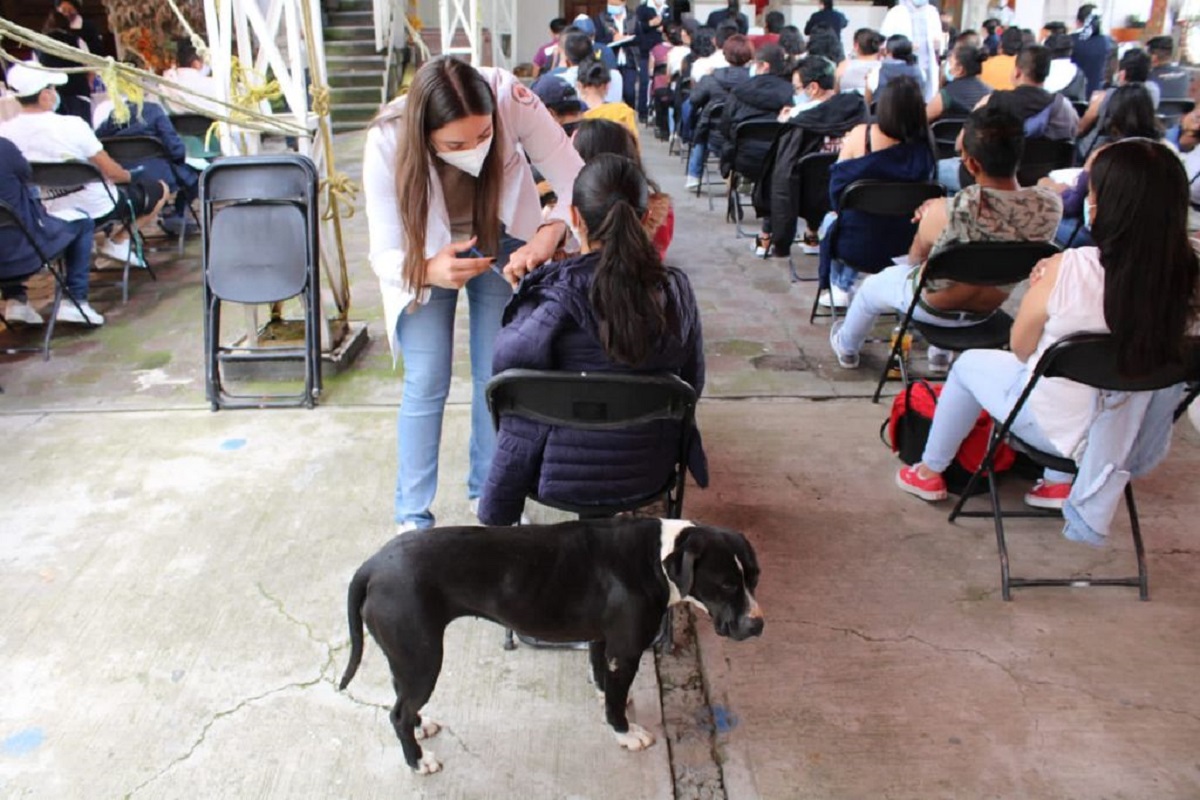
(907,429)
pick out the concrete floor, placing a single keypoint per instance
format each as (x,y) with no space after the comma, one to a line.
(175,585)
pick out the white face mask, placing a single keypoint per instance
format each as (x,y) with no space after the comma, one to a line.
(469,161)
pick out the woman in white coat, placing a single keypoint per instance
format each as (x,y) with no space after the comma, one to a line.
(451,203)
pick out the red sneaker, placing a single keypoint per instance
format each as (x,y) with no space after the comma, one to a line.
(931,489)
(1048,495)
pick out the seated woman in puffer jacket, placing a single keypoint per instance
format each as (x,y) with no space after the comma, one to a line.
(613,308)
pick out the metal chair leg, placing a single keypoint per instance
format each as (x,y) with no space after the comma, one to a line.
(1001,546)
(1139,548)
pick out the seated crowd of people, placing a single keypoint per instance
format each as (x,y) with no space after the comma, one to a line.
(57,123)
(1006,94)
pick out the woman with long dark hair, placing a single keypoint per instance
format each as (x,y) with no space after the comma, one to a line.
(1139,283)
(614,308)
(452,204)
(596,136)
(894,147)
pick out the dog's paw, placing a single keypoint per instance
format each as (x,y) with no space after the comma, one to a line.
(636,738)
(428,764)
(427,729)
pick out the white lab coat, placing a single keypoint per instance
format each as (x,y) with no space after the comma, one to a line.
(525,127)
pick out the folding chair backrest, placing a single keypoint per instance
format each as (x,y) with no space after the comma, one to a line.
(258,252)
(1080,106)
(888,198)
(813,171)
(279,177)
(945,135)
(987,263)
(1091,359)
(756,130)
(1176,106)
(191,124)
(1043,156)
(64,177)
(590,400)
(126,150)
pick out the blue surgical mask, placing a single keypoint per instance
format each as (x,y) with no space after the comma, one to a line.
(614,10)
(57,101)
(1087,214)
(946,71)
(799,99)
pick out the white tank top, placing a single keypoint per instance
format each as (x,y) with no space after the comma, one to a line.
(1064,410)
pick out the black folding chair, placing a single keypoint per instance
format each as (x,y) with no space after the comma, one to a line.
(132,151)
(1090,359)
(9,219)
(945,135)
(979,264)
(259,242)
(196,125)
(712,155)
(760,132)
(601,401)
(1080,106)
(812,172)
(1173,109)
(882,199)
(63,178)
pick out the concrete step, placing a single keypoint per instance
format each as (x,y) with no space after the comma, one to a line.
(355,48)
(355,33)
(355,94)
(343,127)
(356,79)
(338,19)
(356,63)
(354,110)
(353,5)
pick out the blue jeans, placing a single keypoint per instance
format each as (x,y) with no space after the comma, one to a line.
(426,339)
(1068,236)
(77,258)
(983,380)
(948,174)
(696,159)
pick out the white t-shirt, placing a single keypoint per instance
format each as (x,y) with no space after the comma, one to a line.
(201,89)
(705,66)
(1064,410)
(1062,72)
(54,138)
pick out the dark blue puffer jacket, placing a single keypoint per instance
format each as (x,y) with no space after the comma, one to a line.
(550,325)
(18,259)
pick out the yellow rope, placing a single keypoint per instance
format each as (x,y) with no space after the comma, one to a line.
(339,187)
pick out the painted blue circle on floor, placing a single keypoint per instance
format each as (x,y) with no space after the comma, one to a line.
(233,444)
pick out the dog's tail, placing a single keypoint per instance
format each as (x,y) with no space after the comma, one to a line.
(354,601)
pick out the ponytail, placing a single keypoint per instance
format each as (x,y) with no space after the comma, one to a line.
(626,289)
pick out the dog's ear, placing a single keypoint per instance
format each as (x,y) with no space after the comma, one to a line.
(745,554)
(680,564)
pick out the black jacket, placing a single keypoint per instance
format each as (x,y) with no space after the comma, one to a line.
(777,193)
(759,99)
(722,14)
(712,91)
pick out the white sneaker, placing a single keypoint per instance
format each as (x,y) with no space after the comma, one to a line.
(405,527)
(122,251)
(939,360)
(845,358)
(691,182)
(67,312)
(21,311)
(834,296)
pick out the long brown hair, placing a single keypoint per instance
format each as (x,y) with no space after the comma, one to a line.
(444,90)
(1151,271)
(611,195)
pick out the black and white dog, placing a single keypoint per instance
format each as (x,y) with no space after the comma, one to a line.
(607,582)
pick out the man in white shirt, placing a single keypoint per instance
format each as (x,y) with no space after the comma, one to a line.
(45,137)
(194,75)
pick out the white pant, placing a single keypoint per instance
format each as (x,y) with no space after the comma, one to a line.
(983,380)
(890,290)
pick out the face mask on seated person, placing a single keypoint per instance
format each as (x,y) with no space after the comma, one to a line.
(469,161)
